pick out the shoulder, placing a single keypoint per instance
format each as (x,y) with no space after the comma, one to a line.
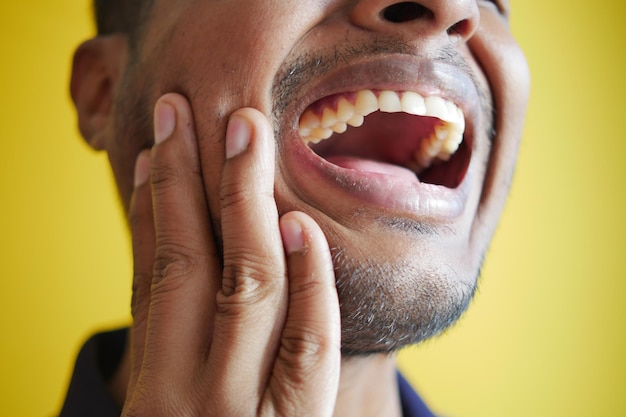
(97,361)
(412,404)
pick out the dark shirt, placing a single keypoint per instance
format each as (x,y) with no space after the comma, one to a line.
(87,395)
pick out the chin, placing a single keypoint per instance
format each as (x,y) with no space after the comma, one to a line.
(398,287)
(387,306)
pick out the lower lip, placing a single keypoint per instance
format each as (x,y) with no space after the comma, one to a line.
(371,186)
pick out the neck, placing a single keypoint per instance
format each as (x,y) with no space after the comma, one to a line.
(367,387)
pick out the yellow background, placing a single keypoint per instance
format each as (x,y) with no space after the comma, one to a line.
(545,336)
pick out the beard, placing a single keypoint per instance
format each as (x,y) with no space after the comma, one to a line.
(388,306)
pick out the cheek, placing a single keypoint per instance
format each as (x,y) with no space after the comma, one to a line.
(224,56)
(506,70)
(227,53)
(131,132)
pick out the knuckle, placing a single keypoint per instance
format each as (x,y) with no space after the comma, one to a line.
(174,263)
(302,353)
(237,195)
(302,347)
(233,198)
(306,291)
(165,177)
(240,290)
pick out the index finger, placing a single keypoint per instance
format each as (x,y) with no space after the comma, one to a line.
(186,266)
(253,300)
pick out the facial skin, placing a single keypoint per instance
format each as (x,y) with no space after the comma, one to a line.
(406,253)
(234,291)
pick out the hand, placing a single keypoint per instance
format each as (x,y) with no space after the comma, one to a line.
(255,334)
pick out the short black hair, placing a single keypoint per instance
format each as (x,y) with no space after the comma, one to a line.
(120,16)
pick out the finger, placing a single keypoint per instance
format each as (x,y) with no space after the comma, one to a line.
(183,286)
(142,232)
(306,375)
(252,302)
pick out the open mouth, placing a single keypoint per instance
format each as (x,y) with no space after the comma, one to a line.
(396,133)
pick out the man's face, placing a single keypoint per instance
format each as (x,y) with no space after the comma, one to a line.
(408,202)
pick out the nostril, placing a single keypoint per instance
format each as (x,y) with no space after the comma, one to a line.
(459,28)
(405,11)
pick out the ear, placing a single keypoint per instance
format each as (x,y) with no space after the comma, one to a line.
(97,67)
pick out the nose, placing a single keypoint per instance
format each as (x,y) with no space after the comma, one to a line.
(449,19)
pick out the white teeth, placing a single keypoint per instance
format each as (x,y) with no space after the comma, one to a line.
(451,146)
(366,102)
(320,133)
(345,110)
(356,120)
(413,103)
(431,147)
(329,118)
(452,110)
(442,143)
(441,133)
(308,120)
(340,127)
(437,107)
(389,102)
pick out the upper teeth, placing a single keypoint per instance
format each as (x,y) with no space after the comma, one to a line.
(442,143)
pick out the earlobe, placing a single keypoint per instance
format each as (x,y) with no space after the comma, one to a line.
(96,70)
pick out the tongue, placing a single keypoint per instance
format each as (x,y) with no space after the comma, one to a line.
(367,165)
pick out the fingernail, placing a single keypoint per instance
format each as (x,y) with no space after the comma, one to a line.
(142,168)
(293,236)
(164,121)
(237,136)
